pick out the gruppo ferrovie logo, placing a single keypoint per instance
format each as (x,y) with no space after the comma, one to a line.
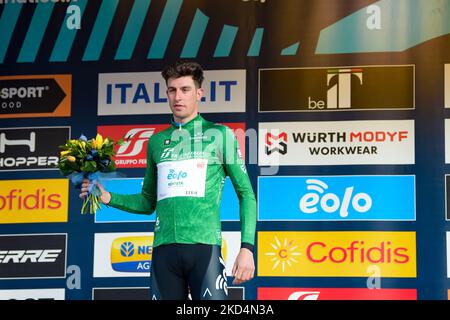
(336,253)
(132,254)
(133,153)
(280,139)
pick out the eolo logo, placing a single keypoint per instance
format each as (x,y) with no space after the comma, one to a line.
(339,254)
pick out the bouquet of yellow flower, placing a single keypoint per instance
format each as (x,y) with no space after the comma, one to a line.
(92,159)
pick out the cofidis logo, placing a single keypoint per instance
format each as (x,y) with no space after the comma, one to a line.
(31,201)
(339,198)
(337,254)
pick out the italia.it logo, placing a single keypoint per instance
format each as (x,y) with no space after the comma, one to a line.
(283,254)
(339,95)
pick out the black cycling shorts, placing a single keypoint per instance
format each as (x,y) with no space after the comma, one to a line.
(180,269)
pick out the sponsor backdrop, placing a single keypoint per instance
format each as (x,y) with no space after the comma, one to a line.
(341,108)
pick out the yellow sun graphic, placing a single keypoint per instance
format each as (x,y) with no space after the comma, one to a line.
(283,254)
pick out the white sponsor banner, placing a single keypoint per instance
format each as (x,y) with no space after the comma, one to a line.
(231,244)
(447,140)
(32,294)
(448,254)
(336,142)
(145,93)
(447,85)
(106,256)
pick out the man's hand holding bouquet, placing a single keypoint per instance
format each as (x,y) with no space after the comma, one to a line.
(82,159)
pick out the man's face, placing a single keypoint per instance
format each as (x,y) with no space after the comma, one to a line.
(183,98)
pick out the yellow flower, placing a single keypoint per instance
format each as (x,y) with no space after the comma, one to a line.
(94,143)
(63,153)
(99,140)
(71,158)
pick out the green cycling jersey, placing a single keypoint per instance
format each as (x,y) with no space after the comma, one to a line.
(186,170)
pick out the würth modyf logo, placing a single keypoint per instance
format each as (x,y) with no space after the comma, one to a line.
(276,143)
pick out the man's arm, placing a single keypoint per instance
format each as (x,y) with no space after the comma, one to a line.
(244,266)
(144,202)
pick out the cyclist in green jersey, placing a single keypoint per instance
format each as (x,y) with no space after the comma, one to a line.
(186,169)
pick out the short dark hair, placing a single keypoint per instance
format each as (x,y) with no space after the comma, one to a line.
(182,69)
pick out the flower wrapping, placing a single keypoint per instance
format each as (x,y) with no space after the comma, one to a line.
(89,159)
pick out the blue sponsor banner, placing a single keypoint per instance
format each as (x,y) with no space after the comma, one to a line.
(229,207)
(122,186)
(337,198)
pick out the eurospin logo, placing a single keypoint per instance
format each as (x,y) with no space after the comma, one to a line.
(144,93)
(132,254)
(319,198)
(336,254)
